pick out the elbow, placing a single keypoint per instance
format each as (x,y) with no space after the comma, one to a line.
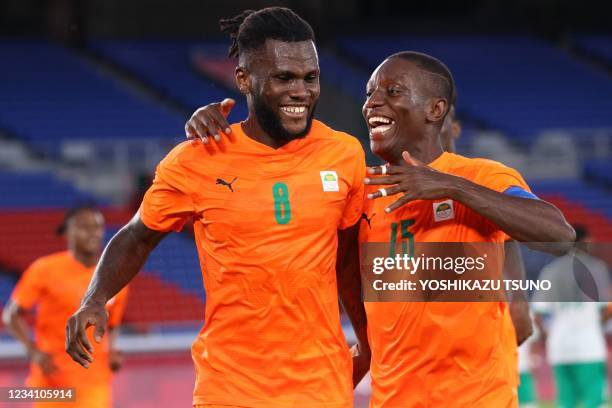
(563,239)
(569,234)
(562,232)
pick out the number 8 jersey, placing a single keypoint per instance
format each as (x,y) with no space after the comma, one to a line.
(265,223)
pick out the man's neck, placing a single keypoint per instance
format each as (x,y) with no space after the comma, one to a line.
(425,150)
(253,129)
(88,260)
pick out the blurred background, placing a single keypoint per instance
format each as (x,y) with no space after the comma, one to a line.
(93,93)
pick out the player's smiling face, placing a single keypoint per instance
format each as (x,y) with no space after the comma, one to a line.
(284,87)
(394,109)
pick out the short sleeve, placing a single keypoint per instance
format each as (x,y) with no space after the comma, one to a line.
(507,180)
(354,201)
(31,286)
(502,178)
(168,204)
(116,307)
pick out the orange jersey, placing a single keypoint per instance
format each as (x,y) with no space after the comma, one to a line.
(266,224)
(460,354)
(55,284)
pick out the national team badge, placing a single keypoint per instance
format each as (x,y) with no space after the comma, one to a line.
(443,211)
(329,180)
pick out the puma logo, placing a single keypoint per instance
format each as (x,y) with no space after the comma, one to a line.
(364,216)
(226,184)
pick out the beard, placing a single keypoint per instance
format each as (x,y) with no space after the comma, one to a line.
(271,123)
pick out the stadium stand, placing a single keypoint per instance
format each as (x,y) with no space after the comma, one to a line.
(599,171)
(596,45)
(73,94)
(69,98)
(581,203)
(7,283)
(169,67)
(517,84)
(21,190)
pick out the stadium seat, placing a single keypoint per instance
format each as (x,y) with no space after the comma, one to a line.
(597,45)
(69,98)
(517,84)
(168,66)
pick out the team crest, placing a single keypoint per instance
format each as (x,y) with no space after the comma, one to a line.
(443,211)
(329,180)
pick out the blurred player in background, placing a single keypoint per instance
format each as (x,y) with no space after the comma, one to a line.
(527,392)
(576,307)
(441,354)
(270,215)
(54,285)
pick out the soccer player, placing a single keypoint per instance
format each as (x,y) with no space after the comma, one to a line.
(270,215)
(514,267)
(527,393)
(575,341)
(55,284)
(441,354)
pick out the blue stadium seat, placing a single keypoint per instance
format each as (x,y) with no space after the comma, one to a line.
(591,196)
(49,94)
(598,45)
(40,190)
(599,171)
(174,260)
(7,283)
(516,84)
(167,66)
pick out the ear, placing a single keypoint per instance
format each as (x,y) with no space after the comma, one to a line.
(436,109)
(243,80)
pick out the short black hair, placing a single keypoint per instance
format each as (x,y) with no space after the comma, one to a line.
(581,232)
(250,29)
(442,79)
(71,212)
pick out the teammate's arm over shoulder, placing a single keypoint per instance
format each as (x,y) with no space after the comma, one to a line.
(210,122)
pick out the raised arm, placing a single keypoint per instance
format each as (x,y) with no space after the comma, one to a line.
(349,290)
(123,257)
(523,219)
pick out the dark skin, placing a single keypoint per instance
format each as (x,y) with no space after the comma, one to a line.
(514,267)
(123,257)
(284,77)
(84,234)
(397,90)
(281,75)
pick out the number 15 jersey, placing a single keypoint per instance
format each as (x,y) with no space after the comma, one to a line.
(265,223)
